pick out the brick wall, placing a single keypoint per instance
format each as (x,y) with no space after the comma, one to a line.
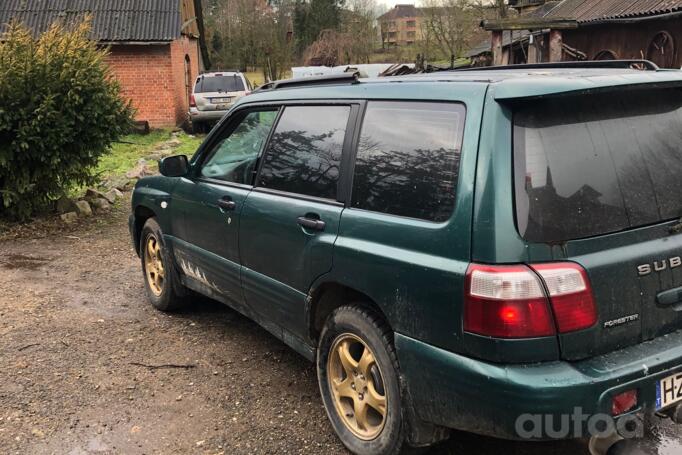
(153,78)
(181,49)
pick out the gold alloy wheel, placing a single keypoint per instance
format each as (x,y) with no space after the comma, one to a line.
(153,265)
(357,386)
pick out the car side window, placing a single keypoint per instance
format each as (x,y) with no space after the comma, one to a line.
(407,159)
(233,158)
(304,154)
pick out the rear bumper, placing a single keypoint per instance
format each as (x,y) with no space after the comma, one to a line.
(458,392)
(196,115)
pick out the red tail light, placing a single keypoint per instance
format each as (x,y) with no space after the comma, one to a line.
(624,402)
(514,301)
(570,294)
(192,101)
(506,302)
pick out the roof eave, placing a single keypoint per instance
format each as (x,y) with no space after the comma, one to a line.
(523,23)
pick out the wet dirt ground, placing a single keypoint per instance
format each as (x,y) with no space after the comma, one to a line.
(88,367)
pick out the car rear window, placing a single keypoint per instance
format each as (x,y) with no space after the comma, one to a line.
(207,84)
(592,165)
(407,160)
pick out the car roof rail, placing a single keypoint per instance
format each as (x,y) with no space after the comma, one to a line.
(326,79)
(622,64)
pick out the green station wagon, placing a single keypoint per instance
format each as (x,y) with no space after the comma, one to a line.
(454,250)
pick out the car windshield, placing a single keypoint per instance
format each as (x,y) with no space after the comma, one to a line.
(207,84)
(591,165)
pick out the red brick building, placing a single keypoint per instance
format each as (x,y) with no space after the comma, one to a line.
(156,46)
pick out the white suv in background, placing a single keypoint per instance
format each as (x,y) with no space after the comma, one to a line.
(213,95)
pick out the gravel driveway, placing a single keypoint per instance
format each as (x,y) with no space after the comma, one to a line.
(87,366)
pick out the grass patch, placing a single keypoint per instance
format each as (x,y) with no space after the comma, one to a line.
(189,144)
(125,153)
(256,77)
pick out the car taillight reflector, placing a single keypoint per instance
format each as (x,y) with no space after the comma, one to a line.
(192,101)
(570,294)
(624,402)
(514,301)
(506,302)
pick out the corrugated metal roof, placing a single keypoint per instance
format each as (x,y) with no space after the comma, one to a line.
(596,10)
(112,20)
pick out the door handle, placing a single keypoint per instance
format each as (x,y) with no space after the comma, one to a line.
(311,223)
(226,203)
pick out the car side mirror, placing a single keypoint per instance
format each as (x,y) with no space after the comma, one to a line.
(174,166)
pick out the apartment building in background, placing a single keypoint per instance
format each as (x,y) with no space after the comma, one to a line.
(401,26)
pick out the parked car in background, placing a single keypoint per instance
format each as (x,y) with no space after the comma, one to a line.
(213,95)
(453,250)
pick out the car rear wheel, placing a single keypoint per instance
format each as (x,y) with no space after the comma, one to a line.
(198,127)
(358,377)
(163,286)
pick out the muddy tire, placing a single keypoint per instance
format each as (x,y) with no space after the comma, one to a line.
(358,375)
(161,281)
(198,127)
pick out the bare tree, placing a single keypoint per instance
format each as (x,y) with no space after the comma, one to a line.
(252,33)
(359,22)
(354,41)
(452,24)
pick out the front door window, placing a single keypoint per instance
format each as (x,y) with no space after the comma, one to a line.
(233,158)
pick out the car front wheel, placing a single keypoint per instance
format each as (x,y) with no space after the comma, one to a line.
(358,377)
(164,290)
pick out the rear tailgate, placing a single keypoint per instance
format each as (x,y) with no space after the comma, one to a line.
(216,101)
(217,92)
(600,178)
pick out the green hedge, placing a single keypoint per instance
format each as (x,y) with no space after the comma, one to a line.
(60,110)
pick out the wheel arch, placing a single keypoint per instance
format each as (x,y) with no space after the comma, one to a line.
(142,214)
(322,300)
(327,296)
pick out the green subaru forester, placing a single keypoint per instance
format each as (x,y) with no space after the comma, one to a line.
(464,249)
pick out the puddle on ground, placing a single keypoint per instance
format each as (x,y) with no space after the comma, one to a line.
(21,261)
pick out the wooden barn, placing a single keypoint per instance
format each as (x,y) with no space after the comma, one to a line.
(549,31)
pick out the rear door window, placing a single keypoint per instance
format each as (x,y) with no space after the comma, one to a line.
(304,154)
(210,84)
(407,159)
(586,166)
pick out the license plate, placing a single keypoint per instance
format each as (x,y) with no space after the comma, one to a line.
(669,391)
(220,100)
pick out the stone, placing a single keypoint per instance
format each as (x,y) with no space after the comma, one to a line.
(83,208)
(120,183)
(69,217)
(100,204)
(139,171)
(112,195)
(156,155)
(91,194)
(65,204)
(175,142)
